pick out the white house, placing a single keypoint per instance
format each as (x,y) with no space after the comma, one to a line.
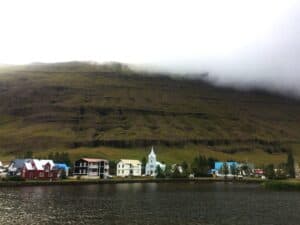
(129,167)
(152,164)
(2,170)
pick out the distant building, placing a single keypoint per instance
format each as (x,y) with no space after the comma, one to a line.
(129,167)
(91,168)
(16,166)
(219,168)
(243,169)
(176,166)
(2,170)
(152,164)
(62,168)
(32,169)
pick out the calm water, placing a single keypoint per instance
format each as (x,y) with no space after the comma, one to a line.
(208,203)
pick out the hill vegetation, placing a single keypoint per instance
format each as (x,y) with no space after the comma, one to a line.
(75,106)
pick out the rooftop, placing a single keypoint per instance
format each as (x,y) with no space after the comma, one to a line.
(93,160)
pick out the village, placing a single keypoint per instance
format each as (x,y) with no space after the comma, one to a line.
(95,168)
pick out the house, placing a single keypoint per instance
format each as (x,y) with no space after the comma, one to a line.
(152,164)
(2,170)
(32,169)
(92,168)
(258,172)
(62,169)
(176,166)
(129,167)
(16,166)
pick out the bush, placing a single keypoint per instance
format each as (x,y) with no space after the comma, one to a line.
(15,178)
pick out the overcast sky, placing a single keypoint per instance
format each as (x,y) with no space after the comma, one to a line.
(242,42)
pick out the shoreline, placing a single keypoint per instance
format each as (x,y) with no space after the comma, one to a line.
(282,185)
(122,181)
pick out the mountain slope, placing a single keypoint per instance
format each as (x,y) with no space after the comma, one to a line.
(71,105)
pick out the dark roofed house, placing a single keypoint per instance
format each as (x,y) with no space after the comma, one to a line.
(16,166)
(91,167)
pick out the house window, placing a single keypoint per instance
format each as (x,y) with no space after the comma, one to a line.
(41,174)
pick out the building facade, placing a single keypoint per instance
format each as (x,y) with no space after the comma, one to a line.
(63,169)
(91,168)
(219,168)
(152,164)
(129,167)
(33,169)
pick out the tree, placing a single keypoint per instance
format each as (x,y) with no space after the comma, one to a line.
(281,172)
(50,156)
(176,173)
(112,167)
(144,162)
(65,158)
(211,162)
(185,169)
(269,171)
(168,171)
(233,170)
(290,165)
(63,174)
(225,169)
(184,165)
(28,155)
(56,157)
(159,172)
(200,166)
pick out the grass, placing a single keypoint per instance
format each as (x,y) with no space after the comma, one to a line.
(58,107)
(283,185)
(164,154)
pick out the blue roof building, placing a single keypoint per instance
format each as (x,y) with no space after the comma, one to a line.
(219,165)
(62,166)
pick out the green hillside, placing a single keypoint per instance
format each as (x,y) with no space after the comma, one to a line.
(84,108)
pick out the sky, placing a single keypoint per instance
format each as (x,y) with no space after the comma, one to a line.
(243,43)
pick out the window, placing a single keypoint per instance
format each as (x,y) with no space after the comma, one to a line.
(41,174)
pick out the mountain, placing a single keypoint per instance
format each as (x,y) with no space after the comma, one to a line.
(66,106)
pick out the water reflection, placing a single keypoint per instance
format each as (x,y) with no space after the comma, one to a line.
(137,203)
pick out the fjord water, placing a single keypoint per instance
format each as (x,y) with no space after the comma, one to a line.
(149,203)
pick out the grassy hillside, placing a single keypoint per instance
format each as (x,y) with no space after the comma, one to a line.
(84,108)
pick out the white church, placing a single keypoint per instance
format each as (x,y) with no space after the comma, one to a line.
(152,164)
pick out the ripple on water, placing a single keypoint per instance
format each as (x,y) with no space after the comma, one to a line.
(173,204)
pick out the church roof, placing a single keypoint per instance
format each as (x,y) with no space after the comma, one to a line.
(152,153)
(131,161)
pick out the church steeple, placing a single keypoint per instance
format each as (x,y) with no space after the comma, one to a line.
(152,156)
(152,151)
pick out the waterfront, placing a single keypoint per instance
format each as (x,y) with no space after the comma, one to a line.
(149,203)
